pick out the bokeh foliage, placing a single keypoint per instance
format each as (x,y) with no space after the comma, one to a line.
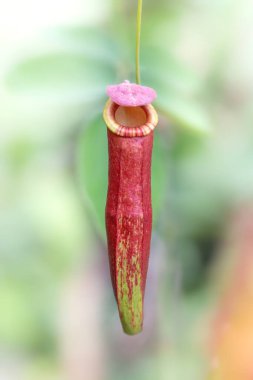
(55,170)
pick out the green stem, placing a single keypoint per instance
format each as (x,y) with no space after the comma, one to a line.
(138,42)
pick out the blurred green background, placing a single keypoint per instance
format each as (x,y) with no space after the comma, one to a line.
(58,317)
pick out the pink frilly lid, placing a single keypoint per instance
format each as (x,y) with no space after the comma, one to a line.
(128,94)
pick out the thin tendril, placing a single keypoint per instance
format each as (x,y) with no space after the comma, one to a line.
(138,41)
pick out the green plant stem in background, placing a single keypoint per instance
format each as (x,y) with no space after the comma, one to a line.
(138,41)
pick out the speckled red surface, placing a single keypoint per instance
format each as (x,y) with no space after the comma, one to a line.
(128,209)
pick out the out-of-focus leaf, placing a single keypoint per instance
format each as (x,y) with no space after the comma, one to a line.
(92,167)
(62,73)
(184,113)
(25,321)
(212,181)
(95,43)
(176,86)
(160,68)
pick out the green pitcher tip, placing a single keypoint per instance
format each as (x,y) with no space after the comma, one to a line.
(131,313)
(131,318)
(129,329)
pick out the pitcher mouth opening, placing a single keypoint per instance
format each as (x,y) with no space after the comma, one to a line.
(130,121)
